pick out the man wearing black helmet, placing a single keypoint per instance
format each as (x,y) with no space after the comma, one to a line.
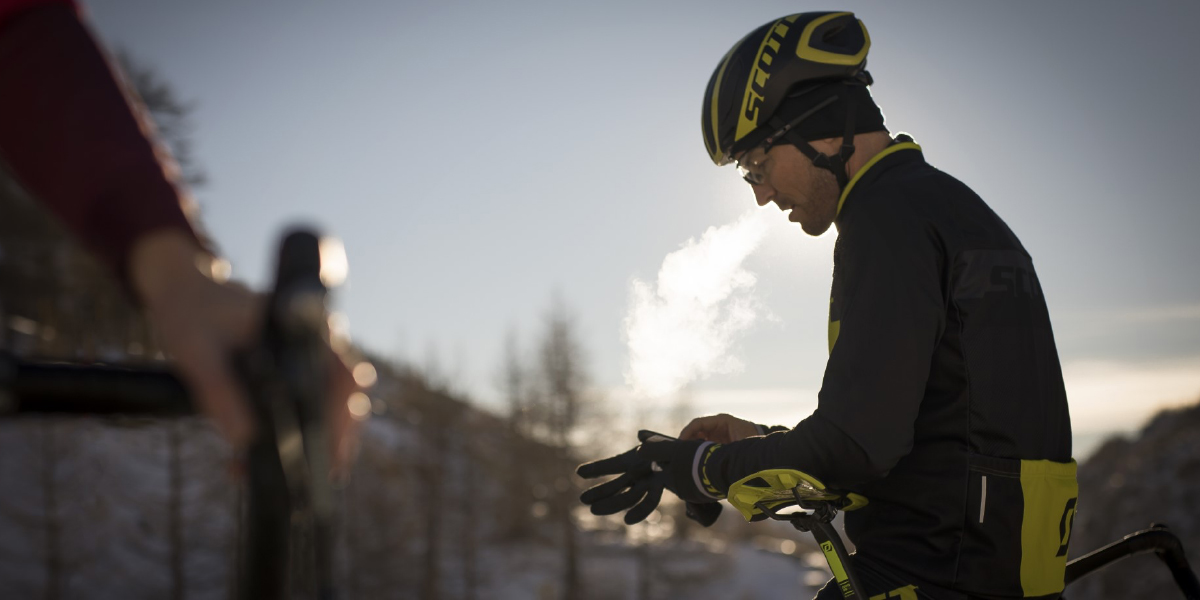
(943,401)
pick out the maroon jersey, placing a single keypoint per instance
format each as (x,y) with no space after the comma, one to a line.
(74,137)
(9,8)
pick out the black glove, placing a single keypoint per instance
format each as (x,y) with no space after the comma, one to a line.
(704,513)
(644,472)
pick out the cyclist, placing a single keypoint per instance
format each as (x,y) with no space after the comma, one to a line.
(76,138)
(943,401)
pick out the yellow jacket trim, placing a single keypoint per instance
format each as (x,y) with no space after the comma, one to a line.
(835,327)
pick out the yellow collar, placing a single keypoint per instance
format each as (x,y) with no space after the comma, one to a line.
(870,163)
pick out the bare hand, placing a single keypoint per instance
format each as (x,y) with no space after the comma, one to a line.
(722,429)
(202,323)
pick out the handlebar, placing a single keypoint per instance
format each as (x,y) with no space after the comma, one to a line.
(61,388)
(1157,539)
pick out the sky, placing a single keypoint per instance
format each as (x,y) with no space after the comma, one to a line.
(479,159)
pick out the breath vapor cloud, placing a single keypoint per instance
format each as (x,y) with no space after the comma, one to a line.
(681,328)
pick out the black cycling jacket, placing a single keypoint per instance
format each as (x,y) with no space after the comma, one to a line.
(943,400)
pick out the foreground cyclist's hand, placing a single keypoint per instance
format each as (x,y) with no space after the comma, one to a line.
(643,474)
(722,429)
(202,323)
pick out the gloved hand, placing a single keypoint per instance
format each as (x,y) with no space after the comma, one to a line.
(704,513)
(643,474)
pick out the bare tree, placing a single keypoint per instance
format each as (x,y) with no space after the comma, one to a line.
(564,384)
(470,491)
(175,508)
(433,466)
(172,116)
(519,449)
(53,548)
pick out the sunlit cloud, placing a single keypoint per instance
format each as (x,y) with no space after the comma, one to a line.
(681,328)
(1109,395)
(1172,313)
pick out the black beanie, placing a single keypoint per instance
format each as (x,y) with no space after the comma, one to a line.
(830,121)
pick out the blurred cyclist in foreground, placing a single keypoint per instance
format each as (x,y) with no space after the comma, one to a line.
(79,140)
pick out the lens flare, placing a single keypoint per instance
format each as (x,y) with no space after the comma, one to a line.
(359,405)
(365,375)
(334,266)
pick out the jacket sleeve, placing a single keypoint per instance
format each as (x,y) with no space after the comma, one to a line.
(75,140)
(886,317)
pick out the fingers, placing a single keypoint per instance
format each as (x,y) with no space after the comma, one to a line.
(645,435)
(609,466)
(703,428)
(739,429)
(640,499)
(598,493)
(661,452)
(609,499)
(722,429)
(639,513)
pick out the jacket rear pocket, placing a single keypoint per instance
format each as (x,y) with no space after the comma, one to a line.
(1018,522)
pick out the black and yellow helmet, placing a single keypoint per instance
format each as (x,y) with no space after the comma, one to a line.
(771,63)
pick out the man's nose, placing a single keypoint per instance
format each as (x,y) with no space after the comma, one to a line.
(763,194)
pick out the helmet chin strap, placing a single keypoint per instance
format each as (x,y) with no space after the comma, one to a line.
(837,162)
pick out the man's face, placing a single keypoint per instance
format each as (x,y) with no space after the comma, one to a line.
(787,178)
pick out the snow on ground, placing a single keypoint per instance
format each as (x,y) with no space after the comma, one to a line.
(616,571)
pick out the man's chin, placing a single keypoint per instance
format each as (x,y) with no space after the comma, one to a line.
(815,229)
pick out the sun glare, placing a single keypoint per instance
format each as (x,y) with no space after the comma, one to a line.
(334,266)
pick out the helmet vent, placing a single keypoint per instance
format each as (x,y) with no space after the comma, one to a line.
(829,35)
